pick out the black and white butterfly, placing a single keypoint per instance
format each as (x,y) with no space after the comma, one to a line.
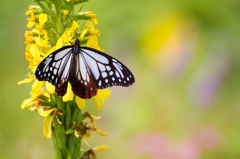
(85,68)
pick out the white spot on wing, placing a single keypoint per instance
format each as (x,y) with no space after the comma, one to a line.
(102,67)
(100,83)
(104,74)
(108,68)
(111,73)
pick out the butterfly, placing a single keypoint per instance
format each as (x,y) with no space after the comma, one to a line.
(86,69)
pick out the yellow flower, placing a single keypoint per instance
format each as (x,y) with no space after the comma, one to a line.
(65,12)
(31,20)
(40,26)
(93,17)
(92,38)
(101,95)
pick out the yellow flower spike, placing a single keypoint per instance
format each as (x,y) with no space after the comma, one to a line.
(46,112)
(66,12)
(100,148)
(83,33)
(80,102)
(50,88)
(47,126)
(34,51)
(69,95)
(42,19)
(37,85)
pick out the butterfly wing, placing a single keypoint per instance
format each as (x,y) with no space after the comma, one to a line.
(106,70)
(81,79)
(55,69)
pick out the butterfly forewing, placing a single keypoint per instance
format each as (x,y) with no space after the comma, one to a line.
(55,69)
(106,70)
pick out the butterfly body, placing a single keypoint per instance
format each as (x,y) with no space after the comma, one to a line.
(85,68)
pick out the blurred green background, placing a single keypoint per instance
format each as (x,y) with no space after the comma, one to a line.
(185,104)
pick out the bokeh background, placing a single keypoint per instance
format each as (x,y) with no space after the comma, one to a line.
(185,104)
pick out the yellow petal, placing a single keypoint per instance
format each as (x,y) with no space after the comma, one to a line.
(80,102)
(26,103)
(30,24)
(92,41)
(27,80)
(34,51)
(99,131)
(95,20)
(59,44)
(87,134)
(90,25)
(42,18)
(74,25)
(96,117)
(85,142)
(69,95)
(50,88)
(100,148)
(103,93)
(47,126)
(97,103)
(37,85)
(47,112)
(83,33)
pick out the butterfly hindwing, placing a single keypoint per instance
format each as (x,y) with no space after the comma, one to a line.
(106,70)
(81,79)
